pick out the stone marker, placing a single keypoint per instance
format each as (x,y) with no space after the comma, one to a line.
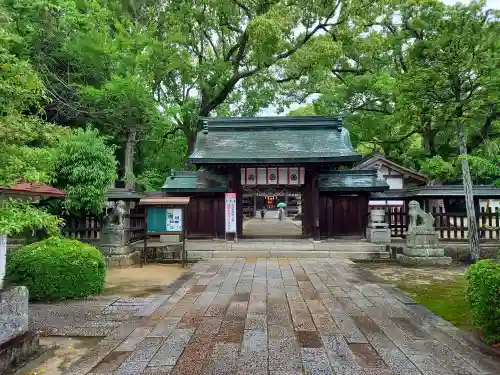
(16,343)
(378,231)
(422,241)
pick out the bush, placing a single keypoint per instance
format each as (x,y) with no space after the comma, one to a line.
(57,268)
(483,295)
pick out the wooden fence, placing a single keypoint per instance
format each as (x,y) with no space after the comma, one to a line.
(83,228)
(87,228)
(450,226)
(136,223)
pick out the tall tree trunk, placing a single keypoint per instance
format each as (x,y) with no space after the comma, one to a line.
(469,198)
(129,158)
(191,141)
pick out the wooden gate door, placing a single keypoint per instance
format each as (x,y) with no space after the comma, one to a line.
(199,218)
(349,215)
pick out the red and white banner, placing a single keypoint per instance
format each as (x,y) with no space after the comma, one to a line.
(230,212)
(273,176)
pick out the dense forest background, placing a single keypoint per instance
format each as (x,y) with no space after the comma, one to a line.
(94,90)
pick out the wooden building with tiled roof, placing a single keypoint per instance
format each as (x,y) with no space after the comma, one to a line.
(311,155)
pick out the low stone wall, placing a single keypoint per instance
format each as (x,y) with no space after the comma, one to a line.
(461,253)
(123,260)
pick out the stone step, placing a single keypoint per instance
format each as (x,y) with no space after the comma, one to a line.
(354,255)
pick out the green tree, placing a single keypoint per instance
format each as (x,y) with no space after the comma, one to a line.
(26,142)
(456,75)
(374,83)
(92,58)
(86,169)
(230,56)
(423,82)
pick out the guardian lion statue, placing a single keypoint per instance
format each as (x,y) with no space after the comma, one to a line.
(419,218)
(116,216)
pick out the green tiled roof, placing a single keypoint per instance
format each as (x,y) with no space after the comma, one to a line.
(483,191)
(352,180)
(185,182)
(278,140)
(123,194)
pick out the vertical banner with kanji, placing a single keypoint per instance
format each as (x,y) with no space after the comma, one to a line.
(230,212)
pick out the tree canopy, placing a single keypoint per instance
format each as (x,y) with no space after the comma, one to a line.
(140,73)
(414,75)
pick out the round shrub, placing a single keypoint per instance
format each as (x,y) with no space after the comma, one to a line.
(57,268)
(483,295)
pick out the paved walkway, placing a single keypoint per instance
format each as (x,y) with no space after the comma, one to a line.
(271,226)
(283,317)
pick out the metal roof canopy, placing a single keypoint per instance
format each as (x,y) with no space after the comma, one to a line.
(163,201)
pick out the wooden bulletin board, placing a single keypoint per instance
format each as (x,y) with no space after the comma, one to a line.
(165,219)
(165,216)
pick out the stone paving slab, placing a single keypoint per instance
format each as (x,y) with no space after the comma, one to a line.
(280,317)
(91,317)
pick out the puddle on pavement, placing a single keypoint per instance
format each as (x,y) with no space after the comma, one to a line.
(67,351)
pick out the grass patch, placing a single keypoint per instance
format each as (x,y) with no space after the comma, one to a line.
(444,298)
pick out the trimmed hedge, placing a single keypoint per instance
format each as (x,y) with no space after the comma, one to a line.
(483,295)
(57,268)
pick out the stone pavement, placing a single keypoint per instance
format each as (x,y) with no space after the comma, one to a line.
(92,317)
(271,226)
(283,317)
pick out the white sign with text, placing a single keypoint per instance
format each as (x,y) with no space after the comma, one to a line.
(230,212)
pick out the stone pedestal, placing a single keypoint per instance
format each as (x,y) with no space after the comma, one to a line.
(378,231)
(422,249)
(17,344)
(378,235)
(422,260)
(113,245)
(422,241)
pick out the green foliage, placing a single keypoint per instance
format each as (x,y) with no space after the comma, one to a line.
(86,169)
(144,71)
(410,79)
(437,168)
(444,298)
(124,103)
(484,297)
(57,268)
(16,216)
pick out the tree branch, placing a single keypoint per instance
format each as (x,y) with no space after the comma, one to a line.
(364,107)
(237,76)
(391,141)
(244,8)
(211,43)
(349,70)
(292,77)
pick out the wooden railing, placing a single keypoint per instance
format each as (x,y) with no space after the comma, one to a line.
(451,226)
